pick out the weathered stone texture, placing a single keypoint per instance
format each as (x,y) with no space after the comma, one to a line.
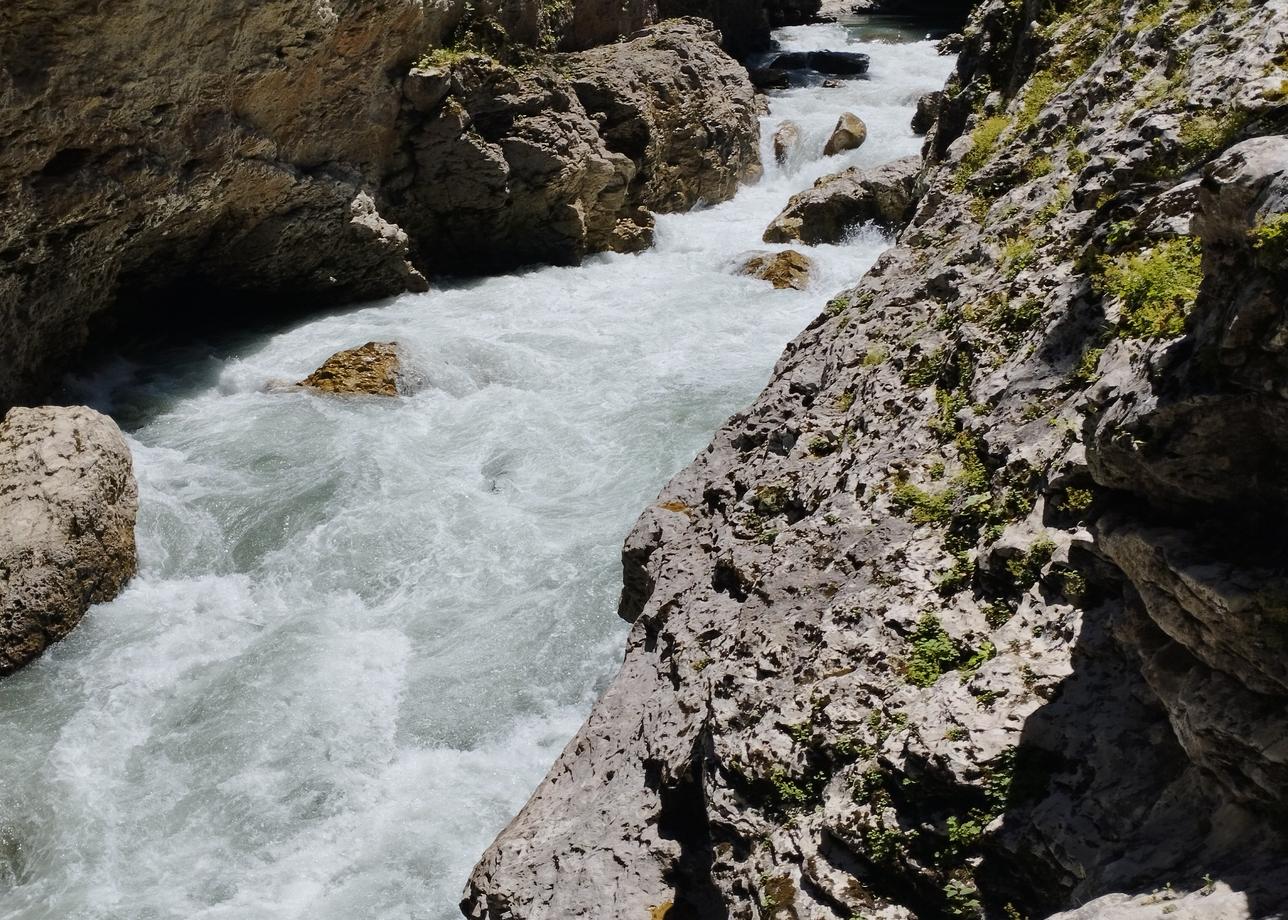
(979,610)
(67,506)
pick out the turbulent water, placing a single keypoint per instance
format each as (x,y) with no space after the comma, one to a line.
(363,629)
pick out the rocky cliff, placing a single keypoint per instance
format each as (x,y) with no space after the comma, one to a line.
(164,163)
(979,610)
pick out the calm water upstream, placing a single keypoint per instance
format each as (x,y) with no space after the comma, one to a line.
(363,629)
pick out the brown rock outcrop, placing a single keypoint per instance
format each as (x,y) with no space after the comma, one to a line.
(372,369)
(786,138)
(68,501)
(209,151)
(264,159)
(680,109)
(510,166)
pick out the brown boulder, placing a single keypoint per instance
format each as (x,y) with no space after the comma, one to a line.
(68,502)
(849,134)
(372,369)
(786,269)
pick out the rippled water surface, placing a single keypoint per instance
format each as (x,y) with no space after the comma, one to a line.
(363,629)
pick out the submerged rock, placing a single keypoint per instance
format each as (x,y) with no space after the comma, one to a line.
(836,63)
(769,78)
(884,196)
(373,369)
(786,269)
(68,502)
(849,134)
(786,138)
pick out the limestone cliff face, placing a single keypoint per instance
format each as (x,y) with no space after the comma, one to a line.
(167,160)
(979,610)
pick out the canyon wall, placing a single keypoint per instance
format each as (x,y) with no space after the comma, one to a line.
(980,609)
(167,164)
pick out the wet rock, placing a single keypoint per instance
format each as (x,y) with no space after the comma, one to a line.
(836,63)
(633,233)
(769,78)
(372,369)
(884,196)
(849,134)
(786,138)
(927,111)
(68,502)
(786,269)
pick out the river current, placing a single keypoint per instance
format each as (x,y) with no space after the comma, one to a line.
(363,629)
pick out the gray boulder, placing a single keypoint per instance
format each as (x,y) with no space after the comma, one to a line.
(68,501)
(823,214)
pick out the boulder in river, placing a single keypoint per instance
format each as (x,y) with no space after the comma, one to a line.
(768,77)
(786,269)
(822,214)
(786,138)
(68,501)
(849,134)
(836,63)
(371,369)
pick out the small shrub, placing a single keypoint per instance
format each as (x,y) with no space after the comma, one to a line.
(923,507)
(1085,372)
(1025,569)
(1205,135)
(1077,501)
(1157,287)
(984,141)
(933,652)
(1270,242)
(1017,255)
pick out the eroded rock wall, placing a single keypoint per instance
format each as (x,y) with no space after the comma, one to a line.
(978,611)
(204,148)
(171,163)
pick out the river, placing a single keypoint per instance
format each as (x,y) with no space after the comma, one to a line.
(363,629)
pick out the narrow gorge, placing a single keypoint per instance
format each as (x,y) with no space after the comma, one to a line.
(977,610)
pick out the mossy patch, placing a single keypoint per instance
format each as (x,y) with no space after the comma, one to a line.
(1157,287)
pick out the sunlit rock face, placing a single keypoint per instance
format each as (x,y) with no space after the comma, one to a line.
(979,609)
(68,501)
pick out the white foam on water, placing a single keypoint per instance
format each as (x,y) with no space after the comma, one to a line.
(363,629)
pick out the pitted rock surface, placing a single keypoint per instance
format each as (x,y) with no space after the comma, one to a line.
(68,501)
(978,610)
